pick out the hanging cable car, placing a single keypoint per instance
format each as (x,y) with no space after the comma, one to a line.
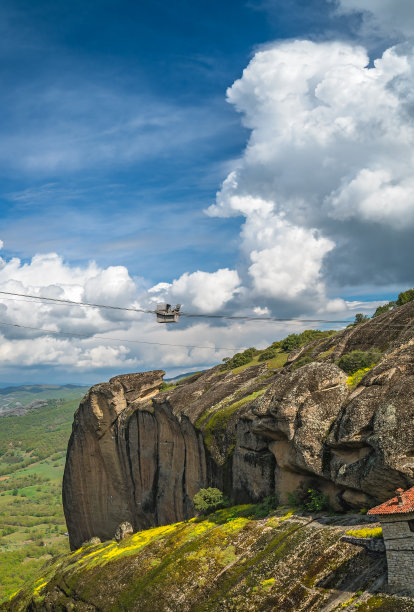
(166,314)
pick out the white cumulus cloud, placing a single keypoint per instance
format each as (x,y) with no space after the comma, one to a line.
(205,292)
(285,271)
(328,165)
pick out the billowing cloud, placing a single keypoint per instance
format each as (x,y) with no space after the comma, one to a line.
(327,169)
(284,271)
(49,276)
(201,291)
(105,342)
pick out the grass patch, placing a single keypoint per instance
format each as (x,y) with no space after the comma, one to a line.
(375,532)
(229,560)
(272,364)
(243,367)
(277,362)
(219,420)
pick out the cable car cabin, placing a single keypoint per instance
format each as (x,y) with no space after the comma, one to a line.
(166,314)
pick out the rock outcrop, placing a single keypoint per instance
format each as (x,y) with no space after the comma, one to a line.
(127,460)
(139,454)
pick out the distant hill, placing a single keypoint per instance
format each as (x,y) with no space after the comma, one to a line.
(37,388)
(18,400)
(181,376)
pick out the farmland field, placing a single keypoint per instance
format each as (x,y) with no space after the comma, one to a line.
(32,457)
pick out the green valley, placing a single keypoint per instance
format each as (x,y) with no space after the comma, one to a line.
(32,458)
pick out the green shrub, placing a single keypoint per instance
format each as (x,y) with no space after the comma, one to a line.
(310,500)
(384,308)
(309,335)
(405,297)
(315,501)
(268,353)
(360,318)
(8,530)
(239,359)
(358,360)
(209,500)
(291,342)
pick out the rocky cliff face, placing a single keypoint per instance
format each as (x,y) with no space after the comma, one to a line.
(129,460)
(139,454)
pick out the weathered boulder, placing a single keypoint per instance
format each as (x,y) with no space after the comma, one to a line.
(92,542)
(124,530)
(357,445)
(372,545)
(137,455)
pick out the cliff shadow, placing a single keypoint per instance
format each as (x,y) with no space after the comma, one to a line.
(365,571)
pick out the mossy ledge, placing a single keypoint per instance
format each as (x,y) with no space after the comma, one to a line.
(230,560)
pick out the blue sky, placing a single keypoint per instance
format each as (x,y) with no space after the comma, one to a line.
(117,110)
(128,175)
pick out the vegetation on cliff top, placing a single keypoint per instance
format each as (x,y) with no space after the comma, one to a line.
(403,298)
(280,349)
(374,532)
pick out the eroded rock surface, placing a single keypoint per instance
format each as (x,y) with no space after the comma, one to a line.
(126,460)
(296,415)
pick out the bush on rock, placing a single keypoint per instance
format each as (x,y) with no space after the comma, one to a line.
(209,500)
(358,360)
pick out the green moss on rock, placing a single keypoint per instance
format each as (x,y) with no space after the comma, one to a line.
(230,561)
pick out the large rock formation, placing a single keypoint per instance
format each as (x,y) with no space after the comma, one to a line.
(139,454)
(128,461)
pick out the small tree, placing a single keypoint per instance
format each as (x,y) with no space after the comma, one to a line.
(239,359)
(268,353)
(360,318)
(209,500)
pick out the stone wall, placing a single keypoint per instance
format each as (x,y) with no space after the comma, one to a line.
(373,545)
(399,544)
